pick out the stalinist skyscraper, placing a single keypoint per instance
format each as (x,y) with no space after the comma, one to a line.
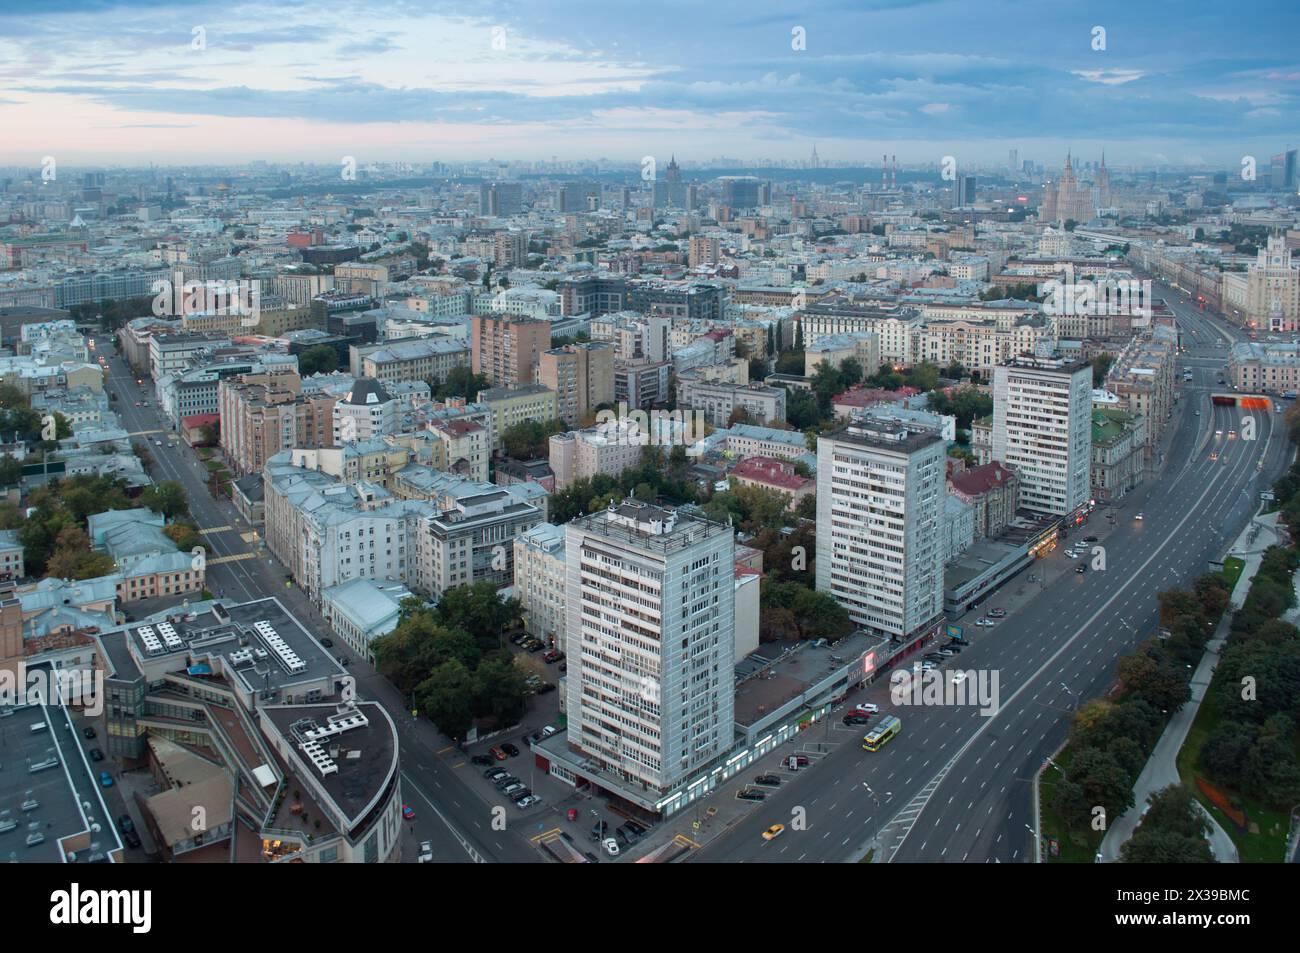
(1068,200)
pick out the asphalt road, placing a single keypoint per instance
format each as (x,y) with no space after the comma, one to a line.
(450,813)
(956,786)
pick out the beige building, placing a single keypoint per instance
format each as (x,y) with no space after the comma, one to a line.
(581,454)
(539,581)
(1271,368)
(263,414)
(423,360)
(582,377)
(462,448)
(513,405)
(507,349)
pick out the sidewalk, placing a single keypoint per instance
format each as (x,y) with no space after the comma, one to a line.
(1161,769)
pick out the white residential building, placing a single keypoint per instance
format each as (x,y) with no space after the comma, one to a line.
(540,581)
(880,507)
(1042,429)
(650,618)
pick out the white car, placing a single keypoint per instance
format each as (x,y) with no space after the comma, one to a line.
(867,708)
(611,846)
(1138,517)
(1071,554)
(526,802)
(426,852)
(957,677)
(982,622)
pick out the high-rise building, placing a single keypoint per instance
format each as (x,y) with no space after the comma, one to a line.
(965,191)
(739,191)
(880,500)
(650,620)
(1282,171)
(704,250)
(671,192)
(582,376)
(500,199)
(510,249)
(507,348)
(1067,199)
(1042,429)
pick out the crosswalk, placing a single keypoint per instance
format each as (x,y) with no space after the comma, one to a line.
(895,832)
(216,529)
(231,559)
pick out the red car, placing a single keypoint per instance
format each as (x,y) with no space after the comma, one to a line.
(408,812)
(497,753)
(797,761)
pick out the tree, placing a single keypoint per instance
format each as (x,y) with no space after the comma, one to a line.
(500,689)
(74,559)
(167,498)
(529,439)
(318,359)
(460,382)
(448,696)
(479,610)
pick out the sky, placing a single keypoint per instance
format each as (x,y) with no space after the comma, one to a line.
(176,82)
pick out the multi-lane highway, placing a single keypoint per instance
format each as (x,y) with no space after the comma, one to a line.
(449,812)
(954,785)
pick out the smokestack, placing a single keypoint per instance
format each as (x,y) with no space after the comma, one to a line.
(894,179)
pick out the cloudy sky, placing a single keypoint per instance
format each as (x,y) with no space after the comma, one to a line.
(178,82)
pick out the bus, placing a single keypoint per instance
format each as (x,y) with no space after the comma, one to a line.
(880,735)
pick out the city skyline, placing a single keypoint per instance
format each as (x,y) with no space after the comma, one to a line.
(94,83)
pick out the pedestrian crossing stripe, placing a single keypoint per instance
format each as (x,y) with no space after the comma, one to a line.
(144,433)
(216,529)
(231,559)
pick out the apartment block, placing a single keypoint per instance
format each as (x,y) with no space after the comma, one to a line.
(1042,429)
(540,573)
(582,377)
(513,405)
(650,618)
(880,512)
(507,349)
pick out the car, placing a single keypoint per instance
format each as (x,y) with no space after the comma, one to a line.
(535,645)
(327,642)
(408,812)
(636,826)
(797,761)
(124,823)
(505,781)
(751,794)
(997,613)
(1232,435)
(131,839)
(1213,457)
(773,832)
(426,852)
(1138,517)
(948,651)
(482,759)
(549,730)
(598,830)
(929,664)
(1198,413)
(88,731)
(855,719)
(958,640)
(623,837)
(513,787)
(519,637)
(554,655)
(527,801)
(510,750)
(498,752)
(1071,554)
(611,846)
(984,622)
(493,773)
(1090,539)
(957,677)
(866,708)
(1218,433)
(95,754)
(1081,569)
(545,687)
(344,660)
(105,779)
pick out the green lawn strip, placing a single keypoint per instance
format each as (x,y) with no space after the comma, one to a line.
(1269,845)
(1232,567)
(1076,848)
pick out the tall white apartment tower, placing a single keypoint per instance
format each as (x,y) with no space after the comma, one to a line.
(1042,428)
(880,499)
(650,619)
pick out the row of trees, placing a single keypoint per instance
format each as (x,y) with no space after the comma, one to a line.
(1111,739)
(451,660)
(529,439)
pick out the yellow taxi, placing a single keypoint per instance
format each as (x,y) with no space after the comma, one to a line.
(773,832)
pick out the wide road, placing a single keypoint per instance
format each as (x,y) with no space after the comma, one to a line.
(954,785)
(449,812)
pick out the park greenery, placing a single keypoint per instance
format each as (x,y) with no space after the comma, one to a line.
(451,660)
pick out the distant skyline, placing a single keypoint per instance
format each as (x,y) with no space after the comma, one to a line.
(117,82)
